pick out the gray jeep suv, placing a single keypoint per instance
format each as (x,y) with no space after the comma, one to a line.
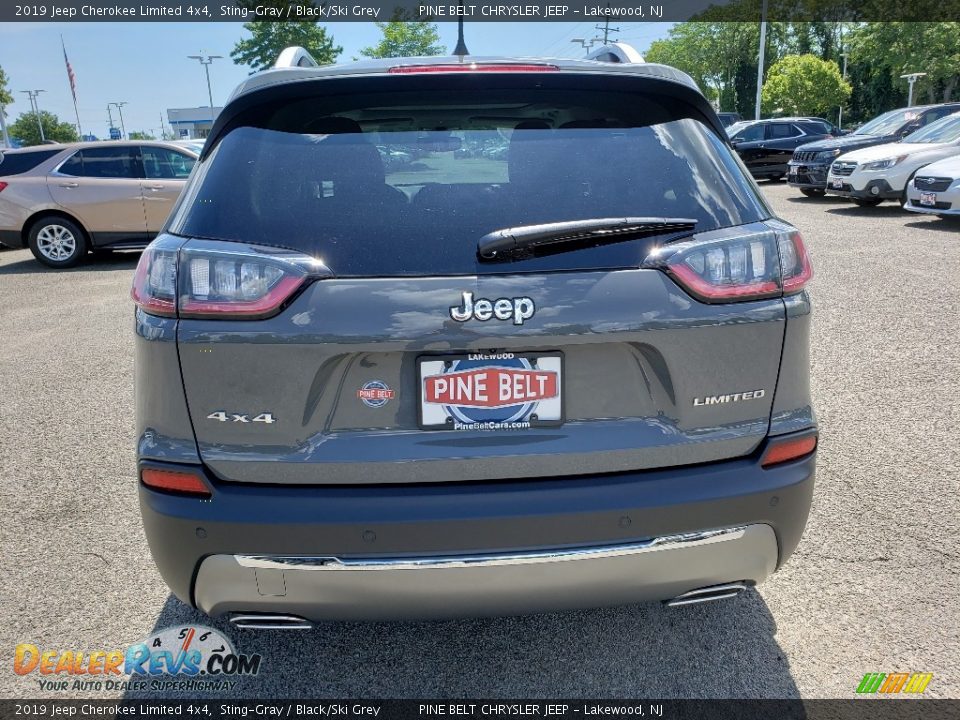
(556,356)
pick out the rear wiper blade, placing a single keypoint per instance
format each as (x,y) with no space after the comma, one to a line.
(576,234)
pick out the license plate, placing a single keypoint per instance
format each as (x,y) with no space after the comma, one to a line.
(499,391)
(928,198)
(837,184)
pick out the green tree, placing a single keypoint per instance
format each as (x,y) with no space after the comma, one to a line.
(721,56)
(804,85)
(25,128)
(140,135)
(6,98)
(269,37)
(406,39)
(897,48)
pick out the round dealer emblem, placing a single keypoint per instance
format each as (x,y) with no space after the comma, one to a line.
(375,393)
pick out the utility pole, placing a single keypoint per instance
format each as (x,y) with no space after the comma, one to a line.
(163,131)
(911,78)
(606,29)
(109,118)
(207,61)
(35,106)
(845,54)
(763,55)
(123,128)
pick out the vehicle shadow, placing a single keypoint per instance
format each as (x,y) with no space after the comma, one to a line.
(807,200)
(883,210)
(723,649)
(126,260)
(938,224)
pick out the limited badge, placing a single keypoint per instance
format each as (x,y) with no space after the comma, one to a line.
(375,393)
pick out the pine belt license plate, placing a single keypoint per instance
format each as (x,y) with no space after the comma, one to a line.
(497,391)
(928,198)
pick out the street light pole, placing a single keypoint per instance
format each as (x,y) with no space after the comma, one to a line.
(911,78)
(763,53)
(207,61)
(844,55)
(123,128)
(35,106)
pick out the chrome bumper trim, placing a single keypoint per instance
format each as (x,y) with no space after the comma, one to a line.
(666,542)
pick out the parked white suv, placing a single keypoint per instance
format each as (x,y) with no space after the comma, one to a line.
(874,174)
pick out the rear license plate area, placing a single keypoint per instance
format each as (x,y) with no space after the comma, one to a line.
(497,391)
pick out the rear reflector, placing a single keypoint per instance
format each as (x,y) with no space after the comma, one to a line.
(472,67)
(3,186)
(155,282)
(781,451)
(176,481)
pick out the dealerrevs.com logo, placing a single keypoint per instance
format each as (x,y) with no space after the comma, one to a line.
(187,657)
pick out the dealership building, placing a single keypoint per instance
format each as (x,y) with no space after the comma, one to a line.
(192,123)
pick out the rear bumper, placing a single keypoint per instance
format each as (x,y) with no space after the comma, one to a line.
(333,552)
(496,584)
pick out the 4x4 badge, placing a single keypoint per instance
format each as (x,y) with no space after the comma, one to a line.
(517,309)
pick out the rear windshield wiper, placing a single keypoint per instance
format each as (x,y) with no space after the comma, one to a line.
(574,235)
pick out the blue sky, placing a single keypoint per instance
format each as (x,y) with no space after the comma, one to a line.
(146,65)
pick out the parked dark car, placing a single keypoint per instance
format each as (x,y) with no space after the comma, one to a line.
(728,118)
(569,374)
(811,162)
(766,146)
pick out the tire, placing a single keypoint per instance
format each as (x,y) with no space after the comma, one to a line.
(57,242)
(867,202)
(813,192)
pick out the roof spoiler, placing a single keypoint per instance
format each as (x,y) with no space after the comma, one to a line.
(295,56)
(617,52)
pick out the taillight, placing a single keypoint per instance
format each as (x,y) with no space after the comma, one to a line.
(155,282)
(216,285)
(220,280)
(473,67)
(781,450)
(733,267)
(175,481)
(3,186)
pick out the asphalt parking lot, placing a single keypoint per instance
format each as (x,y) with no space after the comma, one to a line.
(873,587)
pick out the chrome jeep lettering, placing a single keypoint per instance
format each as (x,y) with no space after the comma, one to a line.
(518,309)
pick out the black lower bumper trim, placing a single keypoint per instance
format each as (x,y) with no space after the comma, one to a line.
(474,517)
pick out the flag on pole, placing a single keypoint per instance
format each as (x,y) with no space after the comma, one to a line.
(73,78)
(73,85)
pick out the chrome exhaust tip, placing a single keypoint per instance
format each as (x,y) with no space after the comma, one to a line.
(270,621)
(707,594)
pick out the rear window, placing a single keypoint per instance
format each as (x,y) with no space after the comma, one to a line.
(405,184)
(14,163)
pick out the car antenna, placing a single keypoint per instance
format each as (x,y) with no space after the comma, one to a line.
(461,49)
